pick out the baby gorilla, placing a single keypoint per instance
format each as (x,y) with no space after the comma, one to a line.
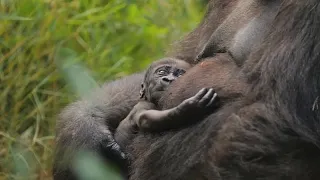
(145,115)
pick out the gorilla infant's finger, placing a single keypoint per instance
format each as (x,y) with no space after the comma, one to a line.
(200,94)
(207,97)
(214,97)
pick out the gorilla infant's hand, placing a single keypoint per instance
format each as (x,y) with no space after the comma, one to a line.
(203,100)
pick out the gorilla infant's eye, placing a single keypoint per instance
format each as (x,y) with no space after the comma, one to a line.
(161,72)
(181,72)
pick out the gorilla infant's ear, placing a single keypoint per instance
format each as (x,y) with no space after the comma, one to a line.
(142,91)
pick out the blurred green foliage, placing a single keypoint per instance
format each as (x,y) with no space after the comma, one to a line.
(46,43)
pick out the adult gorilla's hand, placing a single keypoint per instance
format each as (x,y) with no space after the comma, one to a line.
(89,125)
(113,152)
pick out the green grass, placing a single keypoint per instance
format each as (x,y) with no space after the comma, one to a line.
(45,46)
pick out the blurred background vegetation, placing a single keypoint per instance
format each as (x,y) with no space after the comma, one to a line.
(44,47)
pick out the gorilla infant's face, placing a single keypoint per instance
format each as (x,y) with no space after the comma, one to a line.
(161,75)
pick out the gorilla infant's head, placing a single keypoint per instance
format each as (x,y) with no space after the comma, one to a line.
(160,75)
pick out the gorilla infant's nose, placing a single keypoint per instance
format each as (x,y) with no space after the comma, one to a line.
(168,79)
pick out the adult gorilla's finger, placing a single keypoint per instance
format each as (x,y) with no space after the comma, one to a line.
(112,151)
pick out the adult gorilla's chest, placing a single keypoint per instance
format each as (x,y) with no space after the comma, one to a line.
(240,32)
(241,27)
(219,72)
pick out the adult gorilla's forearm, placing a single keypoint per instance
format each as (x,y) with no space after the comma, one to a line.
(89,124)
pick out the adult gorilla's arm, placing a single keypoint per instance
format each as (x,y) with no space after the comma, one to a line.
(88,124)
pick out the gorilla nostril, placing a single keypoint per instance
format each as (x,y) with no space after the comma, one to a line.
(167,80)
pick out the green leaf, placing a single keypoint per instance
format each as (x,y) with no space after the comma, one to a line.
(14,18)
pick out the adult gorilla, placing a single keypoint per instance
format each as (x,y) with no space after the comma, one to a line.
(271,133)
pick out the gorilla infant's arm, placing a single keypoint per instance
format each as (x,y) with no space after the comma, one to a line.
(145,117)
(158,120)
